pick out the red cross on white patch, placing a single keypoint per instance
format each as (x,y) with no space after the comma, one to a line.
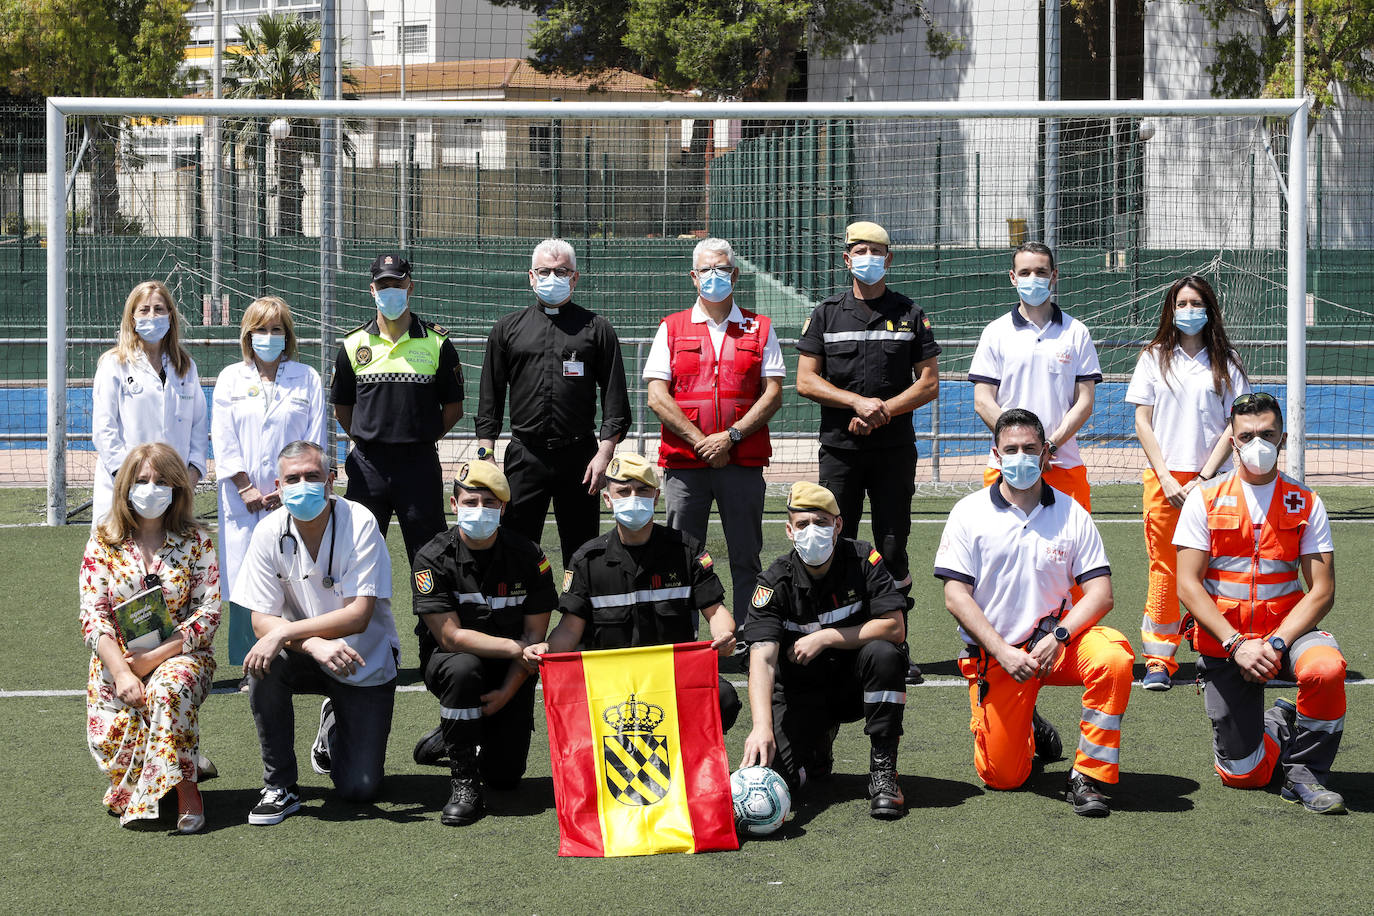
(1294,502)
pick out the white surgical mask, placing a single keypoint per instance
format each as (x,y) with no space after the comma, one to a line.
(868,268)
(814,543)
(154,328)
(1021,470)
(633,512)
(150,499)
(553,289)
(478,522)
(1259,455)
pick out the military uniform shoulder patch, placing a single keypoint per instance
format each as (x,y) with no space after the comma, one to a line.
(424,581)
(567,580)
(704,560)
(806,324)
(762,595)
(925,321)
(874,557)
(543,564)
(363,356)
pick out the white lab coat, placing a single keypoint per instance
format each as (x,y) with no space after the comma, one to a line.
(131,406)
(248,432)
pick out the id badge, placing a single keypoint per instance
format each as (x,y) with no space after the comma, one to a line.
(573,368)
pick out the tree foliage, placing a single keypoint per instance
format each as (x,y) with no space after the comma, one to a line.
(744,49)
(1257,59)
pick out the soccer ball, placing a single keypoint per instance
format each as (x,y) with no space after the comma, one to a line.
(761,800)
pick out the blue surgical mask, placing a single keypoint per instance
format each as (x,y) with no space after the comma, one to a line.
(715,288)
(478,522)
(1021,470)
(815,543)
(633,512)
(1033,290)
(391,302)
(868,268)
(153,329)
(305,500)
(553,289)
(268,346)
(1190,320)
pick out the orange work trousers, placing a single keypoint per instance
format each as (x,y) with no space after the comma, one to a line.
(1161,627)
(1099,660)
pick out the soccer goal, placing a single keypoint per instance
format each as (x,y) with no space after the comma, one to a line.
(296,199)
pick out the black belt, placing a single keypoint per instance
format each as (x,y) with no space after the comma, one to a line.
(552,443)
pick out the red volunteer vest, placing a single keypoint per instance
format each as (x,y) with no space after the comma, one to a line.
(1254,583)
(715,394)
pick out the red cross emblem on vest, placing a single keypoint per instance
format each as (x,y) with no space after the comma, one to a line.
(1294,502)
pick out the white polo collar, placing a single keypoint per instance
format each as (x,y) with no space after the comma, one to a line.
(699,315)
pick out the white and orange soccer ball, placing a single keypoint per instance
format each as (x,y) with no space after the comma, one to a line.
(761,800)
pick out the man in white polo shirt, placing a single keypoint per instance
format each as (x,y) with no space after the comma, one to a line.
(715,375)
(1009,555)
(1038,358)
(317,579)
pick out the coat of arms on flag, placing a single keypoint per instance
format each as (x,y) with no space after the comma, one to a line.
(637,750)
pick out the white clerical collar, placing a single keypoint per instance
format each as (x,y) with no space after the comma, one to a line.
(699,315)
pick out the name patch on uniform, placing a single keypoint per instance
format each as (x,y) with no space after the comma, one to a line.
(573,368)
(567,580)
(874,557)
(1227,500)
(704,560)
(762,596)
(424,581)
(363,356)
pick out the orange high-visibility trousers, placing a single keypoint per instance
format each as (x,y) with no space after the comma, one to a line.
(1099,660)
(1161,627)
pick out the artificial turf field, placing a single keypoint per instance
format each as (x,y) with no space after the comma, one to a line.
(1176,841)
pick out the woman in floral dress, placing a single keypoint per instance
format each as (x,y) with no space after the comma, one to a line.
(141,707)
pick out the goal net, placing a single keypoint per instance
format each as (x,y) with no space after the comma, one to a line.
(1129,199)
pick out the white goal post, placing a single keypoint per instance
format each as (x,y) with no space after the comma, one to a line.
(60,109)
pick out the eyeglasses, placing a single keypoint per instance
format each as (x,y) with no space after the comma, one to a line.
(724,271)
(1261,399)
(561,273)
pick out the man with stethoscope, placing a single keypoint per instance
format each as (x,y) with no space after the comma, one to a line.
(317,579)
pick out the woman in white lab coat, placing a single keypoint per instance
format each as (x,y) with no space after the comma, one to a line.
(146,389)
(261,404)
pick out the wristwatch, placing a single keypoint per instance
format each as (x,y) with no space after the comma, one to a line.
(1062,634)
(1053,449)
(1277,644)
(484,453)
(735,435)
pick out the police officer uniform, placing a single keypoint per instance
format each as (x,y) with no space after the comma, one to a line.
(840,685)
(397,391)
(870,346)
(553,361)
(492,591)
(645,595)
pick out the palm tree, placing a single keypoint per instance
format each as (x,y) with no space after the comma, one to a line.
(279,58)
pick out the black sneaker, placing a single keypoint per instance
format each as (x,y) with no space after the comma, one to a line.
(1048,745)
(1087,800)
(320,760)
(913,674)
(275,805)
(431,750)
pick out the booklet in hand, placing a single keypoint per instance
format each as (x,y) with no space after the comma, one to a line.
(143,621)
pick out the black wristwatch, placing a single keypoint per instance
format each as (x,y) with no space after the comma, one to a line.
(735,435)
(1062,634)
(1053,449)
(1277,644)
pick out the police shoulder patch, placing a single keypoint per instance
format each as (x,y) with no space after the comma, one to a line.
(567,580)
(437,328)
(762,595)
(424,581)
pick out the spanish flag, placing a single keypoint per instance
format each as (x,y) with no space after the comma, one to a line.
(638,754)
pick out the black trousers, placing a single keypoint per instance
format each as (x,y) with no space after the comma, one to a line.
(888,476)
(538,475)
(810,701)
(459,679)
(406,479)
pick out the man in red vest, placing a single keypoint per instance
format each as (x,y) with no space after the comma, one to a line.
(1241,539)
(715,374)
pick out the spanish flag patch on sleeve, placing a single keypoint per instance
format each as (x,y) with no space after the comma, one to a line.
(543,564)
(704,560)
(874,557)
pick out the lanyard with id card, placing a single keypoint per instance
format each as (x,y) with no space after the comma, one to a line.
(573,367)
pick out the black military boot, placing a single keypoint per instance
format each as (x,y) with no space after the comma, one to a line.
(432,750)
(884,791)
(465,803)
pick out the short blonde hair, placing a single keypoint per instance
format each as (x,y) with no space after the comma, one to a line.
(128,345)
(179,517)
(260,312)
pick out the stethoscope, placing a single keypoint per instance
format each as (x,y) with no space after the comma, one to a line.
(328,580)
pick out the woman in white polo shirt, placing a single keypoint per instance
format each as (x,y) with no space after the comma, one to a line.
(1183,386)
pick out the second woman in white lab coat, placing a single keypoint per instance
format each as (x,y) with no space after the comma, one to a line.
(146,389)
(261,404)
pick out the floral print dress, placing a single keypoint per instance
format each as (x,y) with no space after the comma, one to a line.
(146,752)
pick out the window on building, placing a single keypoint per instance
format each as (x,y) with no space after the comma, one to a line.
(415,39)
(378,24)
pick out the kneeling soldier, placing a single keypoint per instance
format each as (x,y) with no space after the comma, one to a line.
(823,630)
(482,594)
